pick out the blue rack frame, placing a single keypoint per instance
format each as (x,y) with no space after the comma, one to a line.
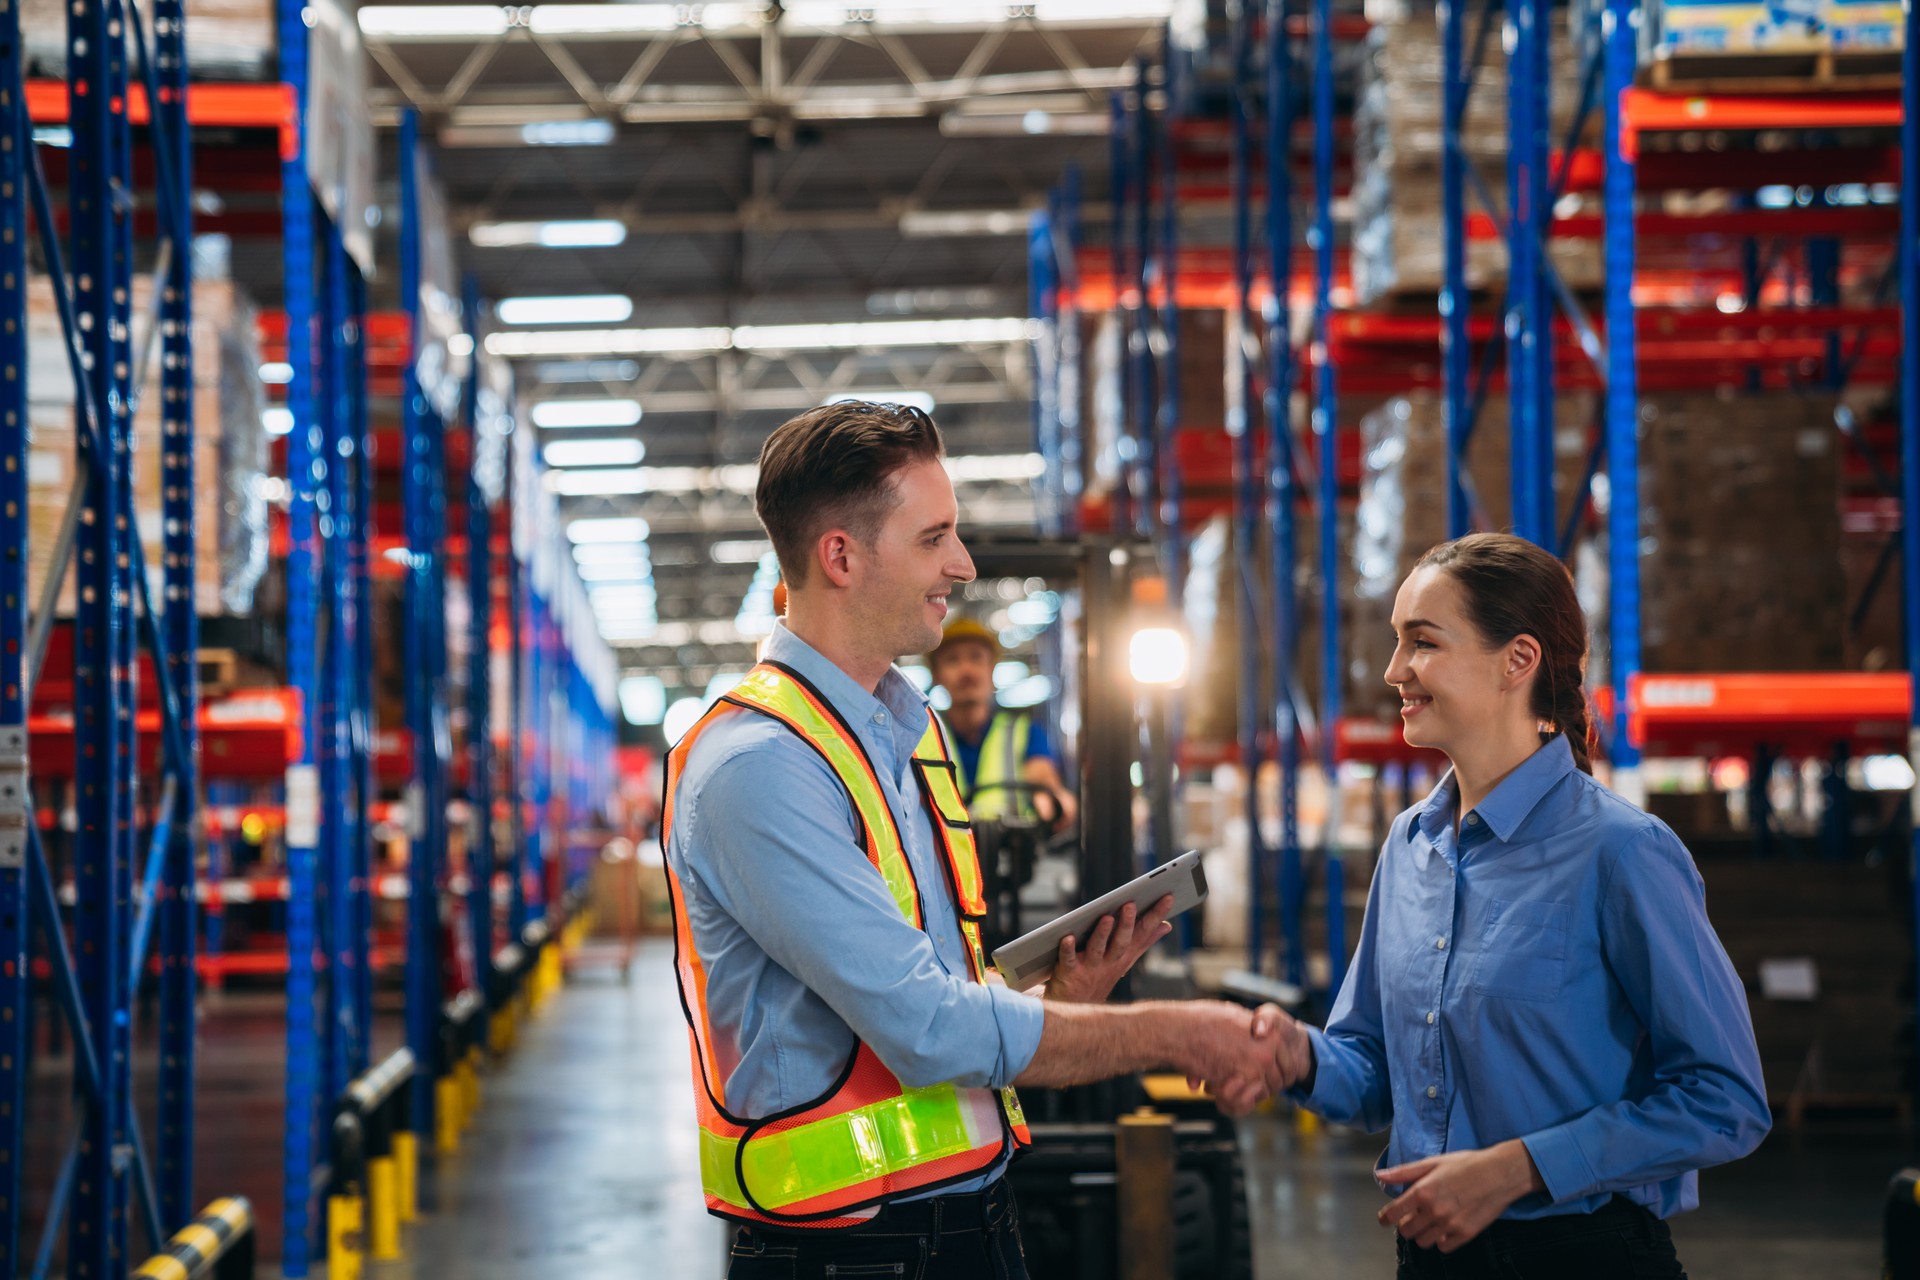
(1909,268)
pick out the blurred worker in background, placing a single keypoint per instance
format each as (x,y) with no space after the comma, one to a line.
(853,1057)
(1005,759)
(1538,1005)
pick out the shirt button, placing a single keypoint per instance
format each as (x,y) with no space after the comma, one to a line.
(1432,1092)
(1473,819)
(1439,944)
(879,717)
(1430,1018)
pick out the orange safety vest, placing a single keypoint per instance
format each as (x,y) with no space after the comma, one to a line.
(868,1139)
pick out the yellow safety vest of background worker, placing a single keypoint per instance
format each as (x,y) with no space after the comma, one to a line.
(999,753)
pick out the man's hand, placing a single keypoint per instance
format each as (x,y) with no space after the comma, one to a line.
(1087,976)
(1288,1060)
(1454,1197)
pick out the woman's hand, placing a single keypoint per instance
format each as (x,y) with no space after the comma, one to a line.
(1454,1197)
(1088,975)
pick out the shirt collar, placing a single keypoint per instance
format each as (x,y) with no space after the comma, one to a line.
(1518,794)
(896,694)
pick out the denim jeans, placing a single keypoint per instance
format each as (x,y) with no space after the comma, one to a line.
(969,1237)
(1618,1241)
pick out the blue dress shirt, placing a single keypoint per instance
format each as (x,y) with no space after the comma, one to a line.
(803,946)
(1548,975)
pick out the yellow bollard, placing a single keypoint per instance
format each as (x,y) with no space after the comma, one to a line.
(446,1115)
(497,1032)
(406,1175)
(1305,1123)
(344,1258)
(383,1209)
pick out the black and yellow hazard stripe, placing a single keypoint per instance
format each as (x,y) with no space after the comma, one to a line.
(196,1247)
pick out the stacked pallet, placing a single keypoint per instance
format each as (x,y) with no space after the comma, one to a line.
(1791,45)
(230,453)
(226,39)
(1740,535)
(1397,235)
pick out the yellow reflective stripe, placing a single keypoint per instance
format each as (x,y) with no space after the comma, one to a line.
(1011,1100)
(824,1156)
(945,789)
(991,799)
(770,689)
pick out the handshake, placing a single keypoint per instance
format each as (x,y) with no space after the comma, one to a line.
(1242,1057)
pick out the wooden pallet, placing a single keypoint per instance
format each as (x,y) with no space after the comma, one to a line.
(1806,72)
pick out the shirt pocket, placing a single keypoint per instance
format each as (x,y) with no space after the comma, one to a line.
(1523,953)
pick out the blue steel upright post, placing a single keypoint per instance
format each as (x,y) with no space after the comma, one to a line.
(1909,260)
(1326,428)
(178,908)
(359,530)
(1246,475)
(15,978)
(416,454)
(479,673)
(305,476)
(1173,516)
(1623,396)
(1283,510)
(1529,308)
(1454,86)
(99,183)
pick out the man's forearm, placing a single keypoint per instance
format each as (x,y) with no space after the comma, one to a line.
(1082,1043)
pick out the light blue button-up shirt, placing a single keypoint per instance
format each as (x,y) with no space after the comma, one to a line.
(1549,975)
(803,945)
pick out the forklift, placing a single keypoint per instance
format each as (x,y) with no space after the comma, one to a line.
(1080,1190)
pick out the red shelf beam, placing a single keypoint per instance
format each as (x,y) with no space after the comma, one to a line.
(1799,713)
(1648,111)
(232,106)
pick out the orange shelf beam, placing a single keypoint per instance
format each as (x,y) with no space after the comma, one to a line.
(1795,712)
(1646,111)
(232,106)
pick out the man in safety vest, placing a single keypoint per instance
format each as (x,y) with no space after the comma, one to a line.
(853,1061)
(1006,763)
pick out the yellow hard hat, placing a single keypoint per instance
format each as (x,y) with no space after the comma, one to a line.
(964,629)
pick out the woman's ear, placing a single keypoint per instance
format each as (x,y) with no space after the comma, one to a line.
(1523,660)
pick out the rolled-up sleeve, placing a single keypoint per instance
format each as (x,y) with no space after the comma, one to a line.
(777,851)
(1707,1103)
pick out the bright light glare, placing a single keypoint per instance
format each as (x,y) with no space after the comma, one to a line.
(551,414)
(603,482)
(643,699)
(629,571)
(740,550)
(607,529)
(586,308)
(276,373)
(1030,692)
(278,422)
(578,233)
(916,399)
(568,133)
(593,453)
(1887,773)
(723,682)
(611,553)
(681,716)
(1157,656)
(1009,673)
(399,21)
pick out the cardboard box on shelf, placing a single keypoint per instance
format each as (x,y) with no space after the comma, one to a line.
(226,39)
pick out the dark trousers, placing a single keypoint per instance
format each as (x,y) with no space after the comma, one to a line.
(968,1237)
(1618,1241)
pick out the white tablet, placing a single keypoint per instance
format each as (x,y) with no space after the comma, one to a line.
(1029,960)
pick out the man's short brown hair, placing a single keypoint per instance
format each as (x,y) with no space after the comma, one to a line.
(833,468)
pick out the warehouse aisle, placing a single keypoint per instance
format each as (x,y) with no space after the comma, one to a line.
(582,1162)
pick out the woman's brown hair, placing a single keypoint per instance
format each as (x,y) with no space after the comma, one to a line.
(1513,588)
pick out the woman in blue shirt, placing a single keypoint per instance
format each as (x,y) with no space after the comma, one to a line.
(1538,1005)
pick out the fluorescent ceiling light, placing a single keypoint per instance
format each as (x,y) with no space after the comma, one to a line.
(460,345)
(643,699)
(599,19)
(598,308)
(740,550)
(981,467)
(609,342)
(593,453)
(587,553)
(580,233)
(278,422)
(682,716)
(408,21)
(551,414)
(921,223)
(634,572)
(607,529)
(561,372)
(918,399)
(276,373)
(1091,124)
(879,333)
(849,336)
(605,483)
(567,133)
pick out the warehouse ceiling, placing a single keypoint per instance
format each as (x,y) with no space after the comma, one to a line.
(793,166)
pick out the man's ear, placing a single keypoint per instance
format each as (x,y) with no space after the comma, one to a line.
(834,554)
